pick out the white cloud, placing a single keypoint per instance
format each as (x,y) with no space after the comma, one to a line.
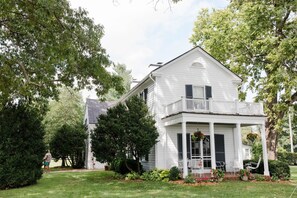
(136,34)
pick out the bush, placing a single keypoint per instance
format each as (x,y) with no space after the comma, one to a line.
(69,142)
(290,158)
(173,174)
(190,179)
(120,166)
(132,176)
(277,168)
(156,175)
(21,146)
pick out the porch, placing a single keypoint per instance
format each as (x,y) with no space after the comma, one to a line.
(200,157)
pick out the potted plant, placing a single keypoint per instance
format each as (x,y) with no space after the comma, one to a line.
(218,174)
(244,174)
(198,135)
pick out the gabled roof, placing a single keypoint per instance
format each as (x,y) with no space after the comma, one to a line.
(149,76)
(95,108)
(218,63)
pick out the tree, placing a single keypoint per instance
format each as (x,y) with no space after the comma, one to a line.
(257,40)
(121,71)
(69,144)
(21,146)
(67,110)
(46,44)
(126,129)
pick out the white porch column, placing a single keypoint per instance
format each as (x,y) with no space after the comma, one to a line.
(264,148)
(239,142)
(212,145)
(184,140)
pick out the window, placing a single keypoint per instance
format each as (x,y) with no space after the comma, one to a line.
(180,146)
(143,95)
(196,97)
(198,92)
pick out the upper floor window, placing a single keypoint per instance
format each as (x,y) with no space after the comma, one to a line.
(198,92)
(197,97)
(143,95)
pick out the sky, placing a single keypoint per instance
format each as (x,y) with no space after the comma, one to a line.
(138,33)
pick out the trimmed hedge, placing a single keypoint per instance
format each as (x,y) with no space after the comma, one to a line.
(277,168)
(119,166)
(21,146)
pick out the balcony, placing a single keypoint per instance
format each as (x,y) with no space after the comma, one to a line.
(214,107)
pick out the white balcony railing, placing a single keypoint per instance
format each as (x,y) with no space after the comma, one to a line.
(213,106)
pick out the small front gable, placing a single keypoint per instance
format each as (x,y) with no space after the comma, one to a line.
(196,60)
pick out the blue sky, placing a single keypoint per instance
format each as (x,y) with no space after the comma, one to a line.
(137,33)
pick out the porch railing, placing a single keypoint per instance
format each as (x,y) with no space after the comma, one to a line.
(213,106)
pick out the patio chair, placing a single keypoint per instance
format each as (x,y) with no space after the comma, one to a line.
(221,165)
(197,166)
(181,167)
(252,165)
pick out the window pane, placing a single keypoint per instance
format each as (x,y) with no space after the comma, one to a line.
(198,92)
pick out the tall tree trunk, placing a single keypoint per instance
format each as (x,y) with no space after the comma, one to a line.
(271,139)
(63,162)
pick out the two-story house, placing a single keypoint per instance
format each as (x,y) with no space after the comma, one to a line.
(195,91)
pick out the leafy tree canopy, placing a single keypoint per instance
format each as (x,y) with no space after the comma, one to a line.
(257,40)
(67,110)
(125,129)
(121,71)
(69,143)
(46,44)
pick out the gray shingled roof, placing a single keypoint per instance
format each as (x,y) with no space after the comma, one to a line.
(96,108)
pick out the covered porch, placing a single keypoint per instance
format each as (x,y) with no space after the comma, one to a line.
(215,150)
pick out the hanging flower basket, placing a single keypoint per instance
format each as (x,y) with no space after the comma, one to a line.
(252,137)
(198,135)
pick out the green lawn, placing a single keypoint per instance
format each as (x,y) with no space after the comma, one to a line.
(102,184)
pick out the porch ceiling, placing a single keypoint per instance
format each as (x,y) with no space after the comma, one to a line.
(215,118)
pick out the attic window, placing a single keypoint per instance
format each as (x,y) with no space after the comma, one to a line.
(198,63)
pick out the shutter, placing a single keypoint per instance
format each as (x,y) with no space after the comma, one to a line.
(220,147)
(145,91)
(208,93)
(180,146)
(189,91)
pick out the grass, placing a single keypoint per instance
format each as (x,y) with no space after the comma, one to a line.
(102,184)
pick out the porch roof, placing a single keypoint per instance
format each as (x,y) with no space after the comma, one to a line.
(196,117)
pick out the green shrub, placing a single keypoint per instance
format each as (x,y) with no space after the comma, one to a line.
(290,158)
(190,179)
(174,173)
(156,175)
(21,146)
(277,168)
(69,142)
(259,177)
(146,176)
(132,176)
(164,175)
(120,166)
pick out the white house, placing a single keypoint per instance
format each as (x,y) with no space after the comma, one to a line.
(195,91)
(93,109)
